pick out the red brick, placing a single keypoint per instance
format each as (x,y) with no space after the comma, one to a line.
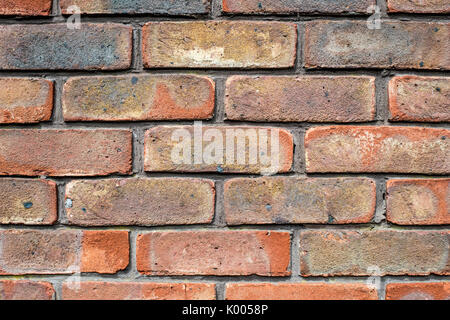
(398,44)
(297,6)
(284,200)
(378,149)
(231,253)
(25,100)
(65,152)
(418,291)
(26,201)
(422,6)
(219,44)
(413,98)
(143,202)
(63,251)
(297,99)
(138,97)
(139,291)
(418,201)
(377,253)
(26,7)
(26,290)
(161,142)
(56,47)
(300,291)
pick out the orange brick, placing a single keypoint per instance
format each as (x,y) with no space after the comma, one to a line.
(418,291)
(26,290)
(26,7)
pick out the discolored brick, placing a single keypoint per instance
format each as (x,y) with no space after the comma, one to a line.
(26,290)
(418,291)
(419,6)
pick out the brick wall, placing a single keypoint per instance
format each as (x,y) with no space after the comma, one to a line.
(93,206)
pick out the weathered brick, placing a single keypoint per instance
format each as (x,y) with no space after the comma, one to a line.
(172,7)
(26,201)
(418,291)
(56,47)
(63,251)
(364,253)
(185,149)
(143,202)
(398,44)
(419,6)
(26,7)
(219,44)
(413,98)
(65,152)
(232,253)
(139,291)
(138,97)
(378,149)
(300,291)
(283,200)
(25,100)
(312,99)
(418,201)
(296,6)
(26,290)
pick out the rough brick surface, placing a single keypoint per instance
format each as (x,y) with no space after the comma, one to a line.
(55,47)
(177,149)
(300,291)
(25,201)
(25,100)
(233,253)
(378,149)
(413,98)
(384,252)
(298,200)
(26,290)
(419,6)
(172,7)
(139,291)
(418,291)
(26,7)
(63,251)
(145,202)
(296,6)
(418,201)
(219,44)
(398,44)
(138,97)
(65,152)
(313,99)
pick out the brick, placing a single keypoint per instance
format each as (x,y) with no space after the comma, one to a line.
(186,149)
(418,201)
(364,253)
(418,291)
(26,201)
(297,99)
(378,149)
(160,7)
(26,290)
(422,6)
(138,97)
(398,45)
(65,152)
(63,251)
(25,100)
(296,6)
(231,253)
(300,291)
(285,200)
(55,47)
(142,202)
(219,44)
(139,291)
(425,99)
(26,7)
